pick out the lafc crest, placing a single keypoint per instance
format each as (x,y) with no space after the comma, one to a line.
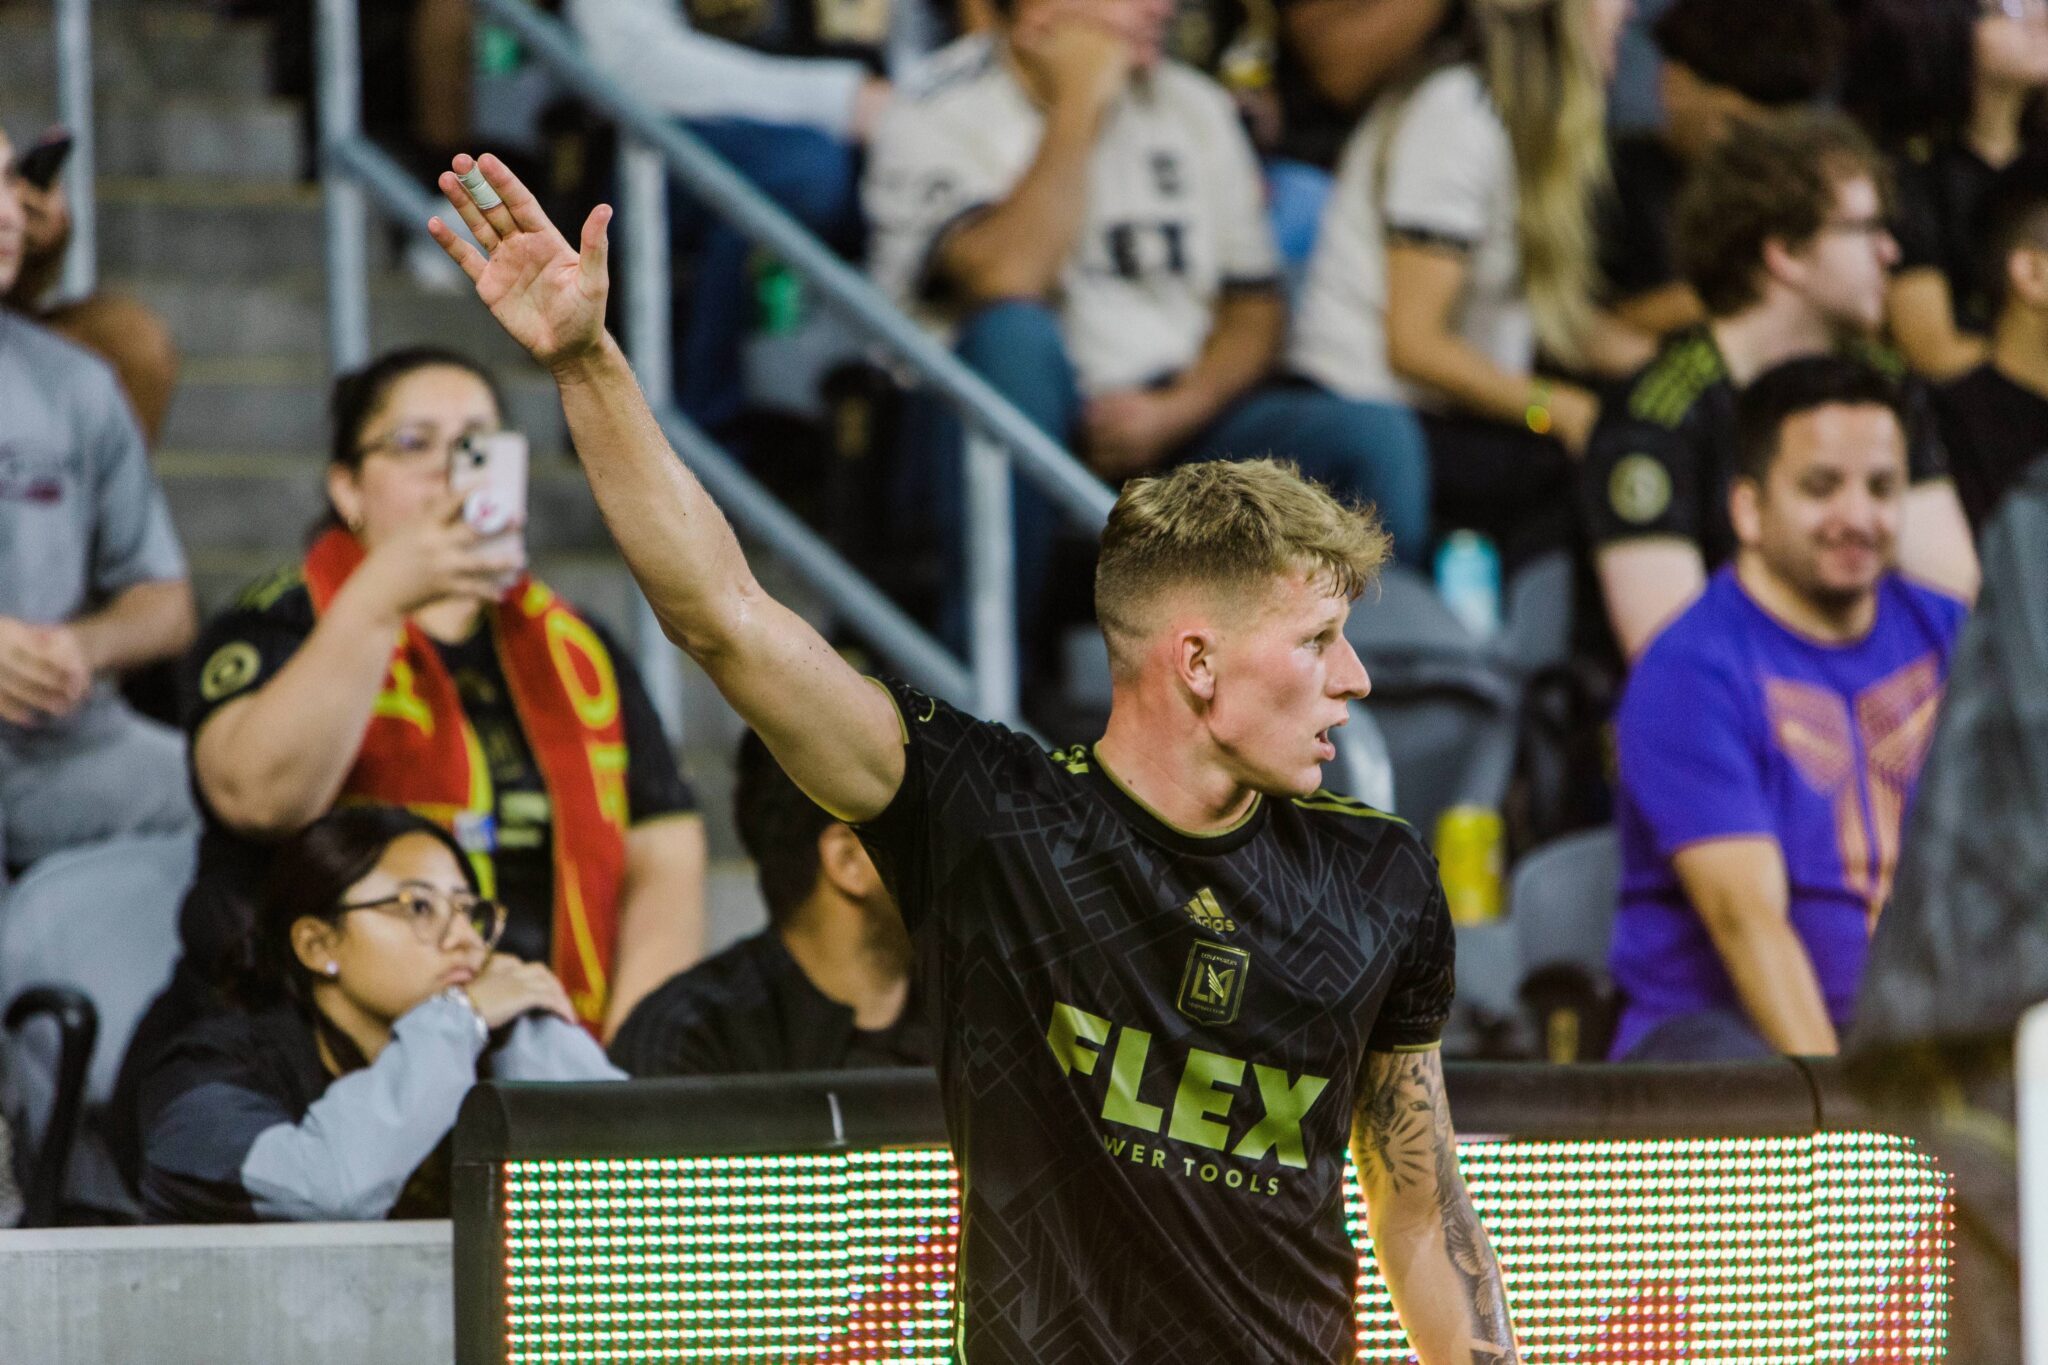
(1212,985)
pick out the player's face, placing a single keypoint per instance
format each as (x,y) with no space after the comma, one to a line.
(1826,521)
(13,223)
(1285,678)
(1849,262)
(407,445)
(384,966)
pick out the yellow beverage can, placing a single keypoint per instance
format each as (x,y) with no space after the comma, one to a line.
(1470,853)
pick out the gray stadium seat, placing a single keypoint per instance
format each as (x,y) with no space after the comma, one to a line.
(101,920)
(1561,903)
(1446,701)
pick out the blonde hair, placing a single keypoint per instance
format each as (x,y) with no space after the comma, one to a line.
(1225,525)
(1537,61)
(1547,86)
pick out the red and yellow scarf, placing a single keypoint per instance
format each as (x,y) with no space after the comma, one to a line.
(421,752)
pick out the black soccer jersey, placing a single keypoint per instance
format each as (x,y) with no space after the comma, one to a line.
(1148,1045)
(1662,455)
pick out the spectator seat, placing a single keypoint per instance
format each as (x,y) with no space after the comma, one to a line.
(1561,903)
(100,920)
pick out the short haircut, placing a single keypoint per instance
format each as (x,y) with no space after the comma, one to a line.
(1775,52)
(1228,525)
(1784,391)
(2014,215)
(779,827)
(1774,177)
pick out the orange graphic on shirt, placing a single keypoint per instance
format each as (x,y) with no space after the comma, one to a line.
(1894,719)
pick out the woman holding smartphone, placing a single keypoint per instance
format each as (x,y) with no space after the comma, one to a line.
(395,665)
(373,1003)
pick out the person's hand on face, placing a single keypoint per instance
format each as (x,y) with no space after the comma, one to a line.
(46,216)
(547,295)
(507,988)
(1080,52)
(44,674)
(434,557)
(1129,431)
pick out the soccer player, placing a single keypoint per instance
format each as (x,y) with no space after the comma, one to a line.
(1171,975)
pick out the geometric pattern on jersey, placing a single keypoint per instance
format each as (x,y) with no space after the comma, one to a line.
(1889,733)
(1149,1174)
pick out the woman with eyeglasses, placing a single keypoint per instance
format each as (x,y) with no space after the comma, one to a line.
(410,661)
(371,1004)
(1946,88)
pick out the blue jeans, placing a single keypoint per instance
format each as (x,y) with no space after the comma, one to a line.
(1371,451)
(811,175)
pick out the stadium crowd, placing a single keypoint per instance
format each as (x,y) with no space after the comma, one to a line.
(1763,374)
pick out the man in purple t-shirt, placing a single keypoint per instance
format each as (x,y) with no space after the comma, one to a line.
(1771,737)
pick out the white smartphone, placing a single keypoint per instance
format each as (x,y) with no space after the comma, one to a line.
(490,473)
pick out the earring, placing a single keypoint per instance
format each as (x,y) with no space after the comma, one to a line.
(334,969)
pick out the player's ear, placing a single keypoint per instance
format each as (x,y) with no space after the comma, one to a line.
(1194,658)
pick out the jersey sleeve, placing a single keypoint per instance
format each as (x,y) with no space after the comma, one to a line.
(923,180)
(955,770)
(655,786)
(1444,166)
(1690,760)
(1640,479)
(240,650)
(1412,1017)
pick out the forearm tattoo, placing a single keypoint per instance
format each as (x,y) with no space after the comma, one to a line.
(1407,1151)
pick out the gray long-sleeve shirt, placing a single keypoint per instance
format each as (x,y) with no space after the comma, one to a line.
(237,1127)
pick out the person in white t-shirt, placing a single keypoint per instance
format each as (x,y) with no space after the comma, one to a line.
(1459,240)
(1086,222)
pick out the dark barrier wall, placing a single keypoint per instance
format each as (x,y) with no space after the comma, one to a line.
(1741,1213)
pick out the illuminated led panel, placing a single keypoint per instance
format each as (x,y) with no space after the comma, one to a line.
(1827,1249)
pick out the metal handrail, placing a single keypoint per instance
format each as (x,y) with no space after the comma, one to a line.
(73,34)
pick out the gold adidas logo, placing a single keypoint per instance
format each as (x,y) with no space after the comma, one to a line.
(1205,911)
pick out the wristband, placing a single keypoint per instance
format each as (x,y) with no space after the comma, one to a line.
(459,996)
(1537,415)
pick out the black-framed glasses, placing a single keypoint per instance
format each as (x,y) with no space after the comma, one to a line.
(430,910)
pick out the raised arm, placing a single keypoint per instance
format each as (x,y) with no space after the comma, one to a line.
(1435,1256)
(838,737)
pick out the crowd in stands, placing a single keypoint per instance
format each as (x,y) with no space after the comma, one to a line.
(1763,374)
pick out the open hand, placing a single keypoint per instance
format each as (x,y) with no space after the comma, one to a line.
(548,296)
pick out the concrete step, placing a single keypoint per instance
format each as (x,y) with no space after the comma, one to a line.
(215,230)
(250,138)
(269,405)
(217,319)
(140,51)
(264,502)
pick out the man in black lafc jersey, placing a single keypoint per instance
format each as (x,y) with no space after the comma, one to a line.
(1172,977)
